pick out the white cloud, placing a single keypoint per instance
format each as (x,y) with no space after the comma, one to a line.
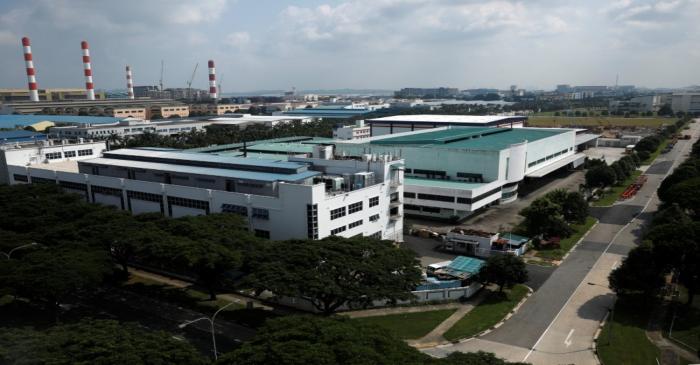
(237,39)
(8,38)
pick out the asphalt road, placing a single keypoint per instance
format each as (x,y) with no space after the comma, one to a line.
(557,324)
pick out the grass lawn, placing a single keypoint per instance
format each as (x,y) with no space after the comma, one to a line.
(489,312)
(552,121)
(628,343)
(611,196)
(566,243)
(409,326)
(686,327)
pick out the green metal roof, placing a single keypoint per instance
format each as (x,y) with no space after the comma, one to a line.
(464,267)
(489,139)
(436,183)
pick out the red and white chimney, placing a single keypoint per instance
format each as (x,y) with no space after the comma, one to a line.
(89,87)
(129,83)
(212,80)
(31,75)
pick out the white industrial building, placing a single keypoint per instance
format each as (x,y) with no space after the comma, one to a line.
(408,123)
(295,198)
(688,102)
(357,131)
(46,152)
(454,171)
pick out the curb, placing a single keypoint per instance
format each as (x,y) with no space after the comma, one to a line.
(579,241)
(501,322)
(596,335)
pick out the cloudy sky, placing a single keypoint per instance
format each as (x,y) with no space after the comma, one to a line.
(276,44)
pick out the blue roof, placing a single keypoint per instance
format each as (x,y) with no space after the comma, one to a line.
(13,120)
(207,171)
(20,136)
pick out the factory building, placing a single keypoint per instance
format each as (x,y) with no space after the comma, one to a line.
(127,128)
(455,171)
(357,131)
(302,197)
(216,109)
(36,150)
(15,95)
(109,107)
(688,102)
(408,123)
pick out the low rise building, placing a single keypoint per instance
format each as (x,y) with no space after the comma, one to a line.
(304,197)
(216,109)
(62,94)
(408,123)
(357,131)
(127,128)
(44,153)
(168,111)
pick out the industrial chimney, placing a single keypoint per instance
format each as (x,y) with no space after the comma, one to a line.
(88,71)
(129,83)
(31,75)
(212,80)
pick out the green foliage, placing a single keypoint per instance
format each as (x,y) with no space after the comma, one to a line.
(639,272)
(95,342)
(600,176)
(573,206)
(504,271)
(53,273)
(336,271)
(408,326)
(303,340)
(545,218)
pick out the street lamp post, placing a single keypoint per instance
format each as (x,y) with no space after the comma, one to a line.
(211,323)
(9,254)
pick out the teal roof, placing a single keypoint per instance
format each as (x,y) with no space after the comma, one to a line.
(489,139)
(281,148)
(464,267)
(436,183)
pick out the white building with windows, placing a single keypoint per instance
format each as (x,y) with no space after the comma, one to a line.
(357,131)
(46,153)
(295,198)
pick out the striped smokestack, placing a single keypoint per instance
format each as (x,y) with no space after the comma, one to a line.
(31,75)
(88,71)
(212,80)
(129,83)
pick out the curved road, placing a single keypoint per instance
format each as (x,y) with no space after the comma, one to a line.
(557,324)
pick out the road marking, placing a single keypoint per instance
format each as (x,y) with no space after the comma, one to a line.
(568,341)
(614,265)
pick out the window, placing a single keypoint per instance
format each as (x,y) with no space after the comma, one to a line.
(376,235)
(96,189)
(18,177)
(69,154)
(411,207)
(338,230)
(409,195)
(53,155)
(337,213)
(355,224)
(261,213)
(235,209)
(429,173)
(441,198)
(431,210)
(312,221)
(374,218)
(262,233)
(373,201)
(354,207)
(188,203)
(477,198)
(73,185)
(85,152)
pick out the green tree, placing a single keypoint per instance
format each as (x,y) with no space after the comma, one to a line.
(95,342)
(336,271)
(600,176)
(639,272)
(504,270)
(685,194)
(544,218)
(52,274)
(303,340)
(573,206)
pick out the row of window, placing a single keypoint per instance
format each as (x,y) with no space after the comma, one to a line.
(352,208)
(451,199)
(67,154)
(338,230)
(549,157)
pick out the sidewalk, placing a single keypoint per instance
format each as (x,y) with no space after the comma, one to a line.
(231,297)
(670,351)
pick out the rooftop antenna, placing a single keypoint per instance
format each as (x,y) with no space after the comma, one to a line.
(162,66)
(189,83)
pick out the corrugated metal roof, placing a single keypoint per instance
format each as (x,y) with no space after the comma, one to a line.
(11,120)
(207,171)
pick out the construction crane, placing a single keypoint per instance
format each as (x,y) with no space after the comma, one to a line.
(162,66)
(189,83)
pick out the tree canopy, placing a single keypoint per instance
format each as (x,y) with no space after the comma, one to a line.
(504,271)
(95,342)
(336,271)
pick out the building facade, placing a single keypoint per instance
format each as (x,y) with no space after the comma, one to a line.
(686,102)
(409,123)
(20,95)
(301,198)
(357,131)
